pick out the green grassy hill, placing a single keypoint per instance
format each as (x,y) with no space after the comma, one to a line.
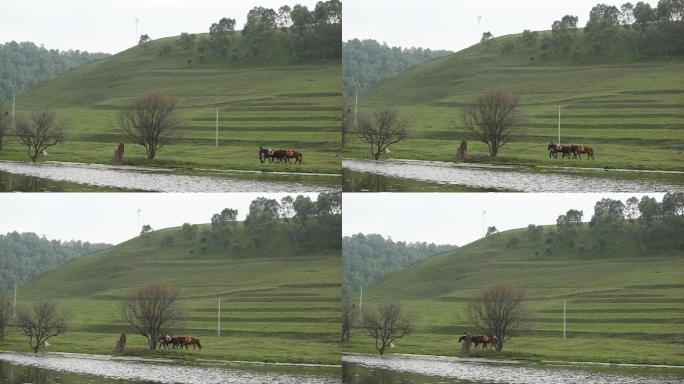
(276,305)
(275,102)
(622,306)
(628,109)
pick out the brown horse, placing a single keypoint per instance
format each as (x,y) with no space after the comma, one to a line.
(580,149)
(290,154)
(189,340)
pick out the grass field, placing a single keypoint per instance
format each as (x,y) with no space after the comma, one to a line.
(628,110)
(278,103)
(276,309)
(621,306)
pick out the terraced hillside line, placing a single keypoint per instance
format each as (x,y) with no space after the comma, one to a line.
(279,104)
(281,308)
(628,110)
(621,306)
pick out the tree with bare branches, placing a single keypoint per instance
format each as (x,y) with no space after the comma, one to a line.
(152,311)
(498,312)
(151,121)
(493,119)
(40,132)
(386,128)
(40,322)
(386,323)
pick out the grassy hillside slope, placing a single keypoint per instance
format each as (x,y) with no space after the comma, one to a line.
(275,103)
(277,305)
(621,306)
(628,109)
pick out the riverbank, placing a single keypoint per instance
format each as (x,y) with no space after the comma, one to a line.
(169,371)
(428,369)
(477,177)
(168,180)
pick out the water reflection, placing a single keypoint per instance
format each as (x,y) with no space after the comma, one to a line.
(43,369)
(19,183)
(363,369)
(372,182)
(13,374)
(416,175)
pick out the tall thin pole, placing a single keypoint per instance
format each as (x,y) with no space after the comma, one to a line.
(138,220)
(14,101)
(216,127)
(14,309)
(136,30)
(559,124)
(564,321)
(219,318)
(356,108)
(361,301)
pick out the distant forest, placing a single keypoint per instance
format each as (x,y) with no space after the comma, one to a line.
(367,62)
(367,258)
(24,256)
(24,64)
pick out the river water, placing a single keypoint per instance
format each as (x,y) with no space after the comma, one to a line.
(60,176)
(18,368)
(368,175)
(366,369)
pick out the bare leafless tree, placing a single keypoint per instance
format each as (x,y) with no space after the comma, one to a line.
(384,129)
(498,312)
(493,119)
(40,132)
(151,121)
(40,322)
(386,323)
(349,313)
(5,122)
(152,311)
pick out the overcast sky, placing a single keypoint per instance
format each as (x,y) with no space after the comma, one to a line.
(456,218)
(452,24)
(109,25)
(112,217)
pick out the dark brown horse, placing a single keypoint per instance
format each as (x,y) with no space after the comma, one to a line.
(580,149)
(189,340)
(554,149)
(290,154)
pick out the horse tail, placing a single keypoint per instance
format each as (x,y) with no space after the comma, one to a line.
(301,157)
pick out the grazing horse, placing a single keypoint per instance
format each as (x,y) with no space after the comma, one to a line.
(189,340)
(290,154)
(555,148)
(580,149)
(266,153)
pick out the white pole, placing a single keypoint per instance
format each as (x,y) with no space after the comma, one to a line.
(360,301)
(136,30)
(564,322)
(356,108)
(216,127)
(219,317)
(559,124)
(14,101)
(138,220)
(14,309)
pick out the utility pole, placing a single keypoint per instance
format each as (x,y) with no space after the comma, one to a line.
(219,318)
(138,220)
(14,309)
(136,30)
(14,101)
(356,108)
(559,115)
(564,320)
(216,127)
(361,302)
